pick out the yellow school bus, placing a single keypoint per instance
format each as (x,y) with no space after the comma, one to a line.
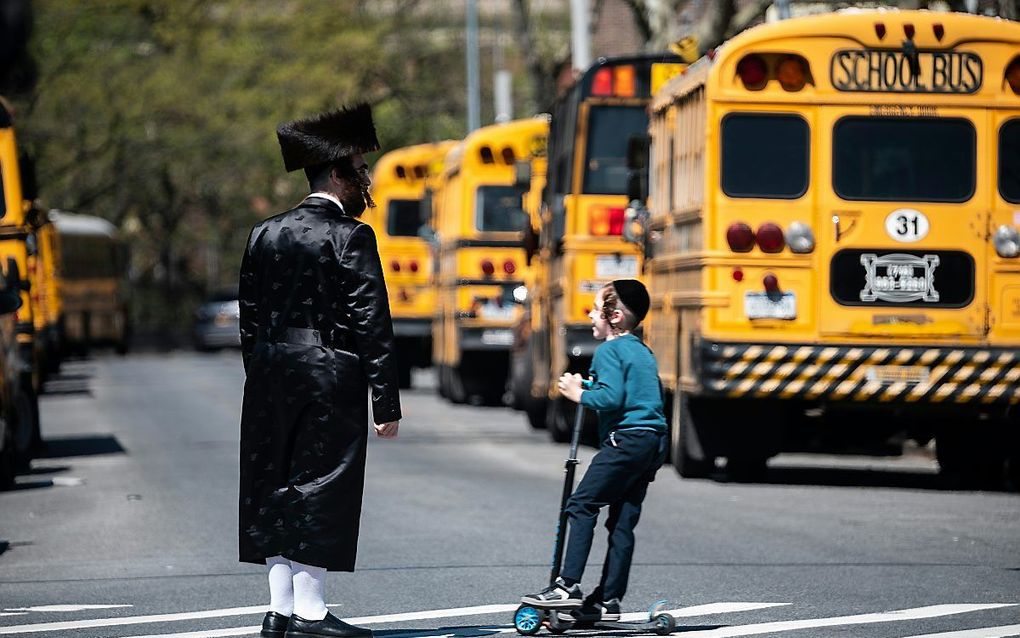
(478,223)
(43,272)
(834,240)
(399,179)
(21,372)
(580,238)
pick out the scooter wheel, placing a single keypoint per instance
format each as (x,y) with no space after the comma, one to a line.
(527,620)
(664,624)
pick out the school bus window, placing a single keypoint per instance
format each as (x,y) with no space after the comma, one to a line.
(498,209)
(904,159)
(764,156)
(1009,161)
(403,217)
(609,129)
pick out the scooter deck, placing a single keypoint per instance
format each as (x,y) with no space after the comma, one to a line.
(559,620)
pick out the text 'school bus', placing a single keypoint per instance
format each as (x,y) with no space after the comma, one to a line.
(835,243)
(18,400)
(478,224)
(580,238)
(92,267)
(398,183)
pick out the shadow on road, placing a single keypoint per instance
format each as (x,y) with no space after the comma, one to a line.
(90,445)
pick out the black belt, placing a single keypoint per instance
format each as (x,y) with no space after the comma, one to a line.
(302,336)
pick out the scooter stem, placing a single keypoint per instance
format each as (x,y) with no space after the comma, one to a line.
(570,466)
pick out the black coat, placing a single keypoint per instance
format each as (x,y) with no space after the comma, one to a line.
(315,335)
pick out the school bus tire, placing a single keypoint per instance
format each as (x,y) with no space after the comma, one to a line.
(455,390)
(559,420)
(25,427)
(8,459)
(536,410)
(403,374)
(684,442)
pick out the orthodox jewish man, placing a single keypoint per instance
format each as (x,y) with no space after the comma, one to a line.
(315,336)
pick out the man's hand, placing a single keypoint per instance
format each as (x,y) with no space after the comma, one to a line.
(570,387)
(387,430)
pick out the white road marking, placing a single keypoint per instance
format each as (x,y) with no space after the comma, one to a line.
(66,608)
(930,611)
(983,632)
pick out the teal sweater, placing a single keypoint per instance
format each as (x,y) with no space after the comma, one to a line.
(624,387)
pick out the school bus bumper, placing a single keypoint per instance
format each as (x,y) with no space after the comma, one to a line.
(855,373)
(404,327)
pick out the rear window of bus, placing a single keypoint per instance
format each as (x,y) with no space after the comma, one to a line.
(903,159)
(609,131)
(1009,161)
(765,155)
(498,209)
(403,217)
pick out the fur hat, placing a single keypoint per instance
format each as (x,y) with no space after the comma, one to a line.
(633,295)
(327,137)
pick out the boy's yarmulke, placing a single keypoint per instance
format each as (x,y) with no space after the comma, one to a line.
(633,295)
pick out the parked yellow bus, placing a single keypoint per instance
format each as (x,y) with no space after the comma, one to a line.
(834,241)
(580,238)
(93,291)
(21,372)
(478,223)
(398,184)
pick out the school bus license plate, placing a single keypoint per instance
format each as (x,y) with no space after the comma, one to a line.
(758,305)
(615,266)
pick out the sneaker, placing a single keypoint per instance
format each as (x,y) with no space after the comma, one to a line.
(609,609)
(556,596)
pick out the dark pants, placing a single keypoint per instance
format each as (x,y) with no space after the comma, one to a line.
(618,478)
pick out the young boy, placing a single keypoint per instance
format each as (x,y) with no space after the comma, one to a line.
(624,390)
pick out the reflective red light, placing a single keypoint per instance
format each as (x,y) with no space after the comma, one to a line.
(738,275)
(509,267)
(395,266)
(940,31)
(880,30)
(753,72)
(602,83)
(740,237)
(908,30)
(488,268)
(770,238)
(413,266)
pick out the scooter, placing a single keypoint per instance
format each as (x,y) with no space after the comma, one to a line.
(529,619)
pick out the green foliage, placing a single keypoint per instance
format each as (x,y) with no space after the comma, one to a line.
(161,116)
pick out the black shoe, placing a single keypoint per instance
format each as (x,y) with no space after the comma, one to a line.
(556,596)
(328,626)
(274,625)
(609,609)
(594,610)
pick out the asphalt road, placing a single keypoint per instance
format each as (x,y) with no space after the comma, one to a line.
(128,527)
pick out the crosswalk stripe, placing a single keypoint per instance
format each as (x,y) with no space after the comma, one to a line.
(930,611)
(694,610)
(983,632)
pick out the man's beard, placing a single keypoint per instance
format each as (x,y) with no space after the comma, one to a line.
(356,201)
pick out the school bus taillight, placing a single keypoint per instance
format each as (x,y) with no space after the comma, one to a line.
(770,238)
(740,237)
(800,237)
(413,266)
(753,72)
(488,268)
(1007,241)
(1013,75)
(607,220)
(792,73)
(395,266)
(602,83)
(509,267)
(624,81)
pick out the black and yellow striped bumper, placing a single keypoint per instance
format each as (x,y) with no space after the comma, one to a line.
(893,374)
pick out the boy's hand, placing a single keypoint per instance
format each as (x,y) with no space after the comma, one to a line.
(387,430)
(570,387)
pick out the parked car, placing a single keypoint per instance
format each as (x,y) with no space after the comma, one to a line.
(217,322)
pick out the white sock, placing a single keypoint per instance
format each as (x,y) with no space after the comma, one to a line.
(309,591)
(281,586)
